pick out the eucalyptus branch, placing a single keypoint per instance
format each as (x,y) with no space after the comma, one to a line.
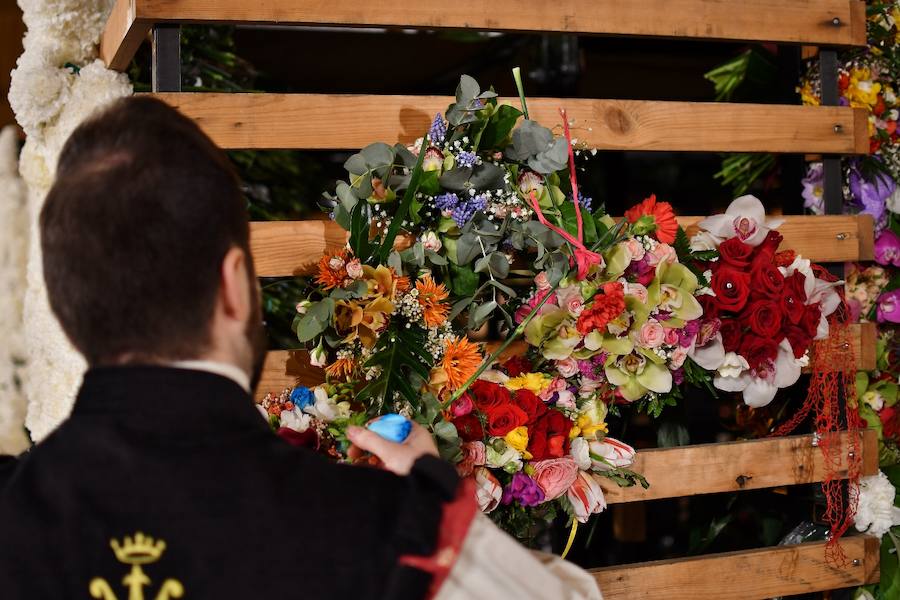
(609,238)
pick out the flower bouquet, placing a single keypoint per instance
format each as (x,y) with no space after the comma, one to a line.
(766,306)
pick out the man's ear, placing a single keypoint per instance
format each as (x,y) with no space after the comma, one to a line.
(235,286)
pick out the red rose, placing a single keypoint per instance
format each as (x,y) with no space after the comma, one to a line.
(710,306)
(764,319)
(306,439)
(769,246)
(766,280)
(517,365)
(731,287)
(736,253)
(469,428)
(793,298)
(549,436)
(799,340)
(504,418)
(812,316)
(758,351)
(731,330)
(533,406)
(487,395)
(890,422)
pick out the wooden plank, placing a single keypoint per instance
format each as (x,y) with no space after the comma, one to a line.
(746,575)
(123,34)
(344,121)
(825,22)
(283,248)
(864,343)
(732,467)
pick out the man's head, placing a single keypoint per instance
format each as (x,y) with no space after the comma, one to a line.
(146,243)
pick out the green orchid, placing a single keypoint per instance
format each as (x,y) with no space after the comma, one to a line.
(562,344)
(635,376)
(672,290)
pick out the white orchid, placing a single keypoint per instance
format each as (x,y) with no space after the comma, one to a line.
(759,387)
(744,219)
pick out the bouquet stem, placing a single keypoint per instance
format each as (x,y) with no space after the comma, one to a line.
(517,76)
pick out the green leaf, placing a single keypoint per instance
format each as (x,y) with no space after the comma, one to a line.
(463,280)
(468,248)
(400,353)
(499,126)
(435,258)
(495,263)
(671,435)
(357,289)
(480,314)
(387,243)
(316,320)
(359,232)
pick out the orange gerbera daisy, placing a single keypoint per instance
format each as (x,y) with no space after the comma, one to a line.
(461,359)
(332,270)
(342,368)
(663,216)
(431,299)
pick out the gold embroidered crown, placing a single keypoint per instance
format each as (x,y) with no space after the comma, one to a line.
(138,551)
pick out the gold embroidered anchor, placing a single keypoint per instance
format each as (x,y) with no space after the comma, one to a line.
(139,551)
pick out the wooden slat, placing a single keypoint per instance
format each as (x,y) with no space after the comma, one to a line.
(732,467)
(811,22)
(122,35)
(333,121)
(283,248)
(746,575)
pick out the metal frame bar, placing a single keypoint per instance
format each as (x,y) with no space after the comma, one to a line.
(166,58)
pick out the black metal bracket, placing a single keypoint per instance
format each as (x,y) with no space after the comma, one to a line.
(832,183)
(166,61)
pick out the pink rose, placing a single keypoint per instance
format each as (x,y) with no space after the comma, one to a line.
(431,241)
(610,453)
(567,367)
(636,290)
(555,476)
(354,269)
(678,357)
(586,496)
(589,386)
(558,384)
(473,456)
(634,248)
(335,263)
(652,335)
(671,337)
(541,281)
(566,399)
(462,406)
(488,491)
(575,305)
(662,253)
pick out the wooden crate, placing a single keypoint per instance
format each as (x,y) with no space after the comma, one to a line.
(335,121)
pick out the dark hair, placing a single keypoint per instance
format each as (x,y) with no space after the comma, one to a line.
(143,210)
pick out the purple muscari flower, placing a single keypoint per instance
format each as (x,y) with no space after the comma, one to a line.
(887,248)
(872,194)
(524,489)
(465,210)
(813,194)
(447,201)
(583,200)
(466,159)
(889,307)
(438,130)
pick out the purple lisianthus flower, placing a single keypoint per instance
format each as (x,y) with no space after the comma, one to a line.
(524,489)
(872,194)
(813,192)
(466,159)
(889,307)
(438,130)
(887,248)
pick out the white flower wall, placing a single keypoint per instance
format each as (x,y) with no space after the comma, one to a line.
(13,254)
(50,97)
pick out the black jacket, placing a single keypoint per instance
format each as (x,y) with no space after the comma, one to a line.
(185,458)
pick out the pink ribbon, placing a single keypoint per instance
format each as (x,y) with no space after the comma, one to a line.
(582,257)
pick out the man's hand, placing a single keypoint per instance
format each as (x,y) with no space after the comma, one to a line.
(397,458)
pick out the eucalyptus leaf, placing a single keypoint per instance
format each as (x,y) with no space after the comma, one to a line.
(468,248)
(316,320)
(552,159)
(435,258)
(495,263)
(480,314)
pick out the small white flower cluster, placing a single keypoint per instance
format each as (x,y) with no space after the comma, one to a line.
(437,336)
(506,203)
(409,306)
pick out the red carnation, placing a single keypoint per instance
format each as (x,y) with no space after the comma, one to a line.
(604,308)
(731,287)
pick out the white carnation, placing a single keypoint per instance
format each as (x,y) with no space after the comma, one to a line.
(37,94)
(876,513)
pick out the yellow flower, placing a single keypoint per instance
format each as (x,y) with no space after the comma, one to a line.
(862,92)
(585,427)
(533,382)
(517,439)
(807,95)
